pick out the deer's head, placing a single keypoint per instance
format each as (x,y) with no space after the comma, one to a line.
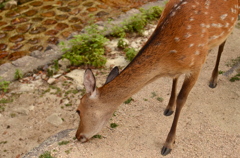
(93,115)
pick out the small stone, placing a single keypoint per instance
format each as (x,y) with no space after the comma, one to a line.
(8,28)
(36,3)
(64,9)
(51,32)
(61,26)
(3,46)
(77,76)
(2,23)
(51,80)
(34,48)
(54,119)
(66,34)
(37,30)
(16,38)
(33,40)
(61,17)
(74,20)
(88,4)
(17,54)
(102,13)
(47,7)
(24,28)
(16,46)
(37,19)
(49,22)
(48,14)
(92,9)
(75,11)
(52,40)
(3,35)
(18,20)
(31,12)
(3,54)
(102,6)
(77,27)
(73,4)
(12,14)
(21,110)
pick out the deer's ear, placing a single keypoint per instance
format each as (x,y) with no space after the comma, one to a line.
(89,81)
(114,73)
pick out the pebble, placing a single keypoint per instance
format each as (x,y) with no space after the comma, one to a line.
(54,119)
(51,80)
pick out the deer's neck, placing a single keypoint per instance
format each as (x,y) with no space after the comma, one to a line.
(134,77)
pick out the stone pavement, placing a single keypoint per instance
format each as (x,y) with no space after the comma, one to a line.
(32,30)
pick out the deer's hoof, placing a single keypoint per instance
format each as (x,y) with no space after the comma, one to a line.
(212,85)
(165,151)
(168,112)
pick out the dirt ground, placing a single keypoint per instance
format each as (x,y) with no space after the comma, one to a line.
(209,124)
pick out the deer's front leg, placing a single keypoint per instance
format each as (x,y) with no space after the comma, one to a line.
(214,77)
(181,99)
(172,101)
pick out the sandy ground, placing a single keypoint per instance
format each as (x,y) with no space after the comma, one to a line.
(209,124)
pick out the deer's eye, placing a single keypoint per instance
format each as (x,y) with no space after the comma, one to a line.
(78,112)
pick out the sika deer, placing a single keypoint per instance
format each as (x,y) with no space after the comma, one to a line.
(186,31)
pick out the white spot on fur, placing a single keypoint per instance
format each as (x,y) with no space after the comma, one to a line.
(191,19)
(177,39)
(187,35)
(189,27)
(197,52)
(172,14)
(217,25)
(222,17)
(173,51)
(191,45)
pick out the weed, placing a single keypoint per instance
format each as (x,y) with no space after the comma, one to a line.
(122,44)
(87,48)
(128,101)
(160,99)
(58,90)
(130,53)
(4,101)
(220,72)
(235,78)
(2,108)
(113,125)
(3,142)
(68,104)
(18,74)
(68,151)
(12,115)
(46,154)
(97,136)
(233,62)
(153,94)
(4,86)
(63,142)
(137,22)
(145,99)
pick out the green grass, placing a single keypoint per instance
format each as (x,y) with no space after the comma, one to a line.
(46,154)
(18,74)
(63,142)
(235,78)
(87,48)
(128,101)
(4,86)
(97,136)
(113,125)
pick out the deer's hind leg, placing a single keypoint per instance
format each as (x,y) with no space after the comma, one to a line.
(188,84)
(172,101)
(214,78)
